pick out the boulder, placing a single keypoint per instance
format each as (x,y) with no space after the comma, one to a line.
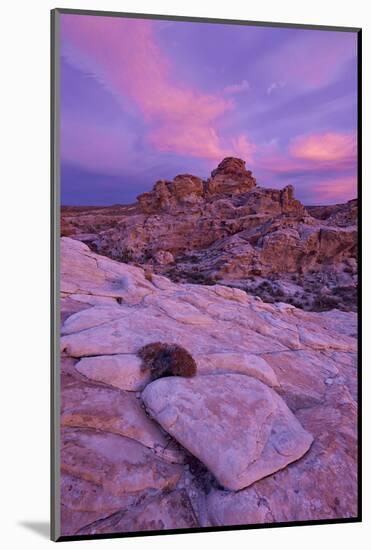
(122,371)
(243,363)
(237,426)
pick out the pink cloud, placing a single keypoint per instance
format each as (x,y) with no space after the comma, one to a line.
(327,161)
(327,152)
(124,55)
(335,190)
(196,140)
(244,148)
(324,147)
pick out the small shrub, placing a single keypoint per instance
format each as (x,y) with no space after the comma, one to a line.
(163,359)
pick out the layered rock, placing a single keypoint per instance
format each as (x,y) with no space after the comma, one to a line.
(228,230)
(338,214)
(230,176)
(184,190)
(142,456)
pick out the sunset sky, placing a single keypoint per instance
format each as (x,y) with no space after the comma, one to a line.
(143,100)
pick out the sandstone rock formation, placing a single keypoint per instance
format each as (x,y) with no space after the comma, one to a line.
(128,466)
(230,231)
(337,214)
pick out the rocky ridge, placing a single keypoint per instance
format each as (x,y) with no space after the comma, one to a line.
(227,230)
(271,434)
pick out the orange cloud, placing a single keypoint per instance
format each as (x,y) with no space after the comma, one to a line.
(327,147)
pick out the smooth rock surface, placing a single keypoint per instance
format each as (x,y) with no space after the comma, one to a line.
(252,425)
(111,308)
(120,371)
(244,363)
(86,405)
(321,485)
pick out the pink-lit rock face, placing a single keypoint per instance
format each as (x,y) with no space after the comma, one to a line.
(228,230)
(235,425)
(103,408)
(230,176)
(122,471)
(121,371)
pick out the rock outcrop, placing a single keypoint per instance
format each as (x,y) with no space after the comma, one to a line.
(230,231)
(266,431)
(341,215)
(230,177)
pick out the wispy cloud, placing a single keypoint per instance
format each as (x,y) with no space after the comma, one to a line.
(275,86)
(310,60)
(124,55)
(323,167)
(243,147)
(332,190)
(157,96)
(238,88)
(328,146)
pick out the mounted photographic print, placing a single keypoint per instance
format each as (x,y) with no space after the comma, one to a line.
(205,187)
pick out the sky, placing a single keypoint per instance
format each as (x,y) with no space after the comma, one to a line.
(143,100)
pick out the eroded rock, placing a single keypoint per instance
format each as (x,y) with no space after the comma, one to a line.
(99,407)
(238,427)
(117,464)
(121,371)
(168,511)
(228,230)
(308,358)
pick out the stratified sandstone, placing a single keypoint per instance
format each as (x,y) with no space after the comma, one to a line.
(122,471)
(230,231)
(337,214)
(118,464)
